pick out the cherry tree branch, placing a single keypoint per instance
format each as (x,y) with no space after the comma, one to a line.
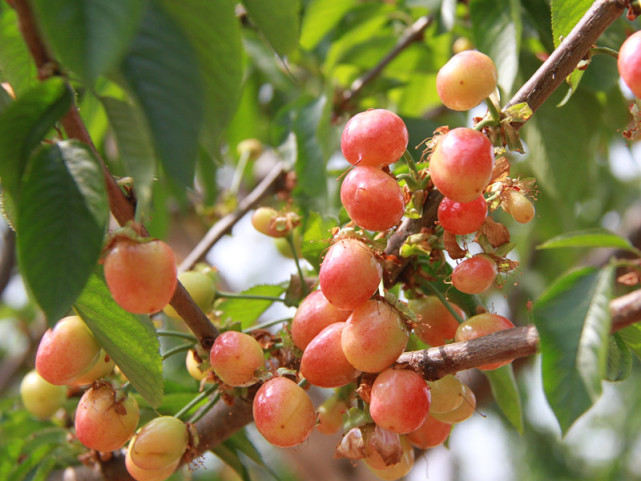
(436,362)
(223,226)
(411,35)
(574,48)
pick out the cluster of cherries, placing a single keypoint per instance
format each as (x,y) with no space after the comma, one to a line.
(105,418)
(350,337)
(141,276)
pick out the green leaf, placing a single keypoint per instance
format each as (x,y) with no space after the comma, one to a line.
(562,144)
(631,336)
(162,70)
(565,15)
(321,16)
(308,120)
(278,20)
(89,37)
(214,31)
(506,394)
(596,237)
(246,311)
(129,339)
(619,359)
(573,321)
(497,32)
(24,123)
(16,63)
(62,218)
(230,456)
(135,147)
(316,237)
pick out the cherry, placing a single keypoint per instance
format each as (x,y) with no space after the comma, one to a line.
(446,394)
(197,369)
(431,433)
(461,413)
(272,223)
(349,274)
(67,351)
(103,367)
(475,275)
(283,412)
(141,276)
(41,398)
(314,314)
(462,218)
(518,206)
(482,325)
(400,400)
(372,198)
(104,420)
(330,415)
(374,138)
(374,336)
(629,63)
(159,444)
(140,474)
(324,363)
(395,471)
(461,164)
(201,288)
(235,357)
(466,80)
(435,325)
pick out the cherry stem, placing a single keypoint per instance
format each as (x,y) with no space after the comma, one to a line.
(177,350)
(266,324)
(486,122)
(197,416)
(409,160)
(181,335)
(429,286)
(292,246)
(232,295)
(494,112)
(604,51)
(240,170)
(210,390)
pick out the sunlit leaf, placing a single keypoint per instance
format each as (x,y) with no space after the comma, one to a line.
(247,310)
(597,237)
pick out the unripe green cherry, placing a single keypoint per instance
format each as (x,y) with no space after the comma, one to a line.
(200,287)
(140,474)
(39,397)
(103,367)
(159,443)
(466,80)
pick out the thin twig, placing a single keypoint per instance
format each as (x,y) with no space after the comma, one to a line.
(411,35)
(224,225)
